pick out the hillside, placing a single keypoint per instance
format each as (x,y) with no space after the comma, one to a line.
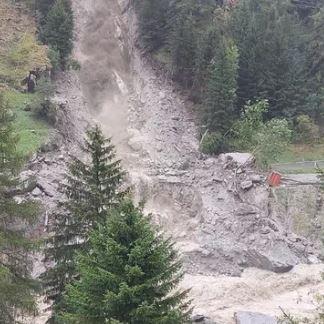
(20,53)
(152,86)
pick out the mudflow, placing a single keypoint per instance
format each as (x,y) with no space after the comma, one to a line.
(239,249)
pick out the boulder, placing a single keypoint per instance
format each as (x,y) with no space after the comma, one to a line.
(37,192)
(135,144)
(46,187)
(256,178)
(246,185)
(245,209)
(246,159)
(279,259)
(254,318)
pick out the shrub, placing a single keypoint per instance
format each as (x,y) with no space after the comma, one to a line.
(54,57)
(211,143)
(306,130)
(266,140)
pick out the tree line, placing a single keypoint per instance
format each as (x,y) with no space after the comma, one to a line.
(227,54)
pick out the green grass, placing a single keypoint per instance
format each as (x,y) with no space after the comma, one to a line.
(300,153)
(304,152)
(32,130)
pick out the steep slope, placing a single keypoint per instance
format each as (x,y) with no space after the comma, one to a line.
(216,209)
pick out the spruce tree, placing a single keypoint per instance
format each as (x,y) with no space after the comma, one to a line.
(58,29)
(153,23)
(272,60)
(91,188)
(221,93)
(130,275)
(16,285)
(182,42)
(43,7)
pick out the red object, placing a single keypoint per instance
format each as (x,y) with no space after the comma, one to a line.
(274,179)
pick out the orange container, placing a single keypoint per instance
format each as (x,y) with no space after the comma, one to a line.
(274,179)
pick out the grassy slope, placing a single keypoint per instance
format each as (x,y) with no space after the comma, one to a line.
(32,130)
(19,53)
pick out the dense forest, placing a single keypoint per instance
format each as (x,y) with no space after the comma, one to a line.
(230,55)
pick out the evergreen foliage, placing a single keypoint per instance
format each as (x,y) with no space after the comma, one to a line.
(221,95)
(153,23)
(43,7)
(279,48)
(91,188)
(16,285)
(130,275)
(57,31)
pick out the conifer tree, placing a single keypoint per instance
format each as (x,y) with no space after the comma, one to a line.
(58,29)
(153,23)
(221,93)
(43,7)
(91,188)
(182,42)
(271,62)
(130,275)
(16,284)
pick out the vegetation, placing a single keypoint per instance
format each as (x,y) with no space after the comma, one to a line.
(57,29)
(31,130)
(229,53)
(91,188)
(16,285)
(129,276)
(267,140)
(21,57)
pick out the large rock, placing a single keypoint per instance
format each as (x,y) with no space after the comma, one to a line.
(241,159)
(254,318)
(279,259)
(246,185)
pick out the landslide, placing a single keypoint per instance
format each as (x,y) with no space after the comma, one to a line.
(238,253)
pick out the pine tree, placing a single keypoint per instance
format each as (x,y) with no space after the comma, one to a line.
(91,188)
(182,42)
(16,284)
(272,62)
(58,29)
(221,93)
(153,23)
(130,275)
(43,7)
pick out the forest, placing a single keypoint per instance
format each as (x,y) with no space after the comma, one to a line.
(235,57)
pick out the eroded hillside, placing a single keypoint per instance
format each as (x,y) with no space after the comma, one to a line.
(217,209)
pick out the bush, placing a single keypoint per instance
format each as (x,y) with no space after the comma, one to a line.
(54,57)
(266,140)
(42,104)
(74,65)
(211,143)
(271,141)
(306,130)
